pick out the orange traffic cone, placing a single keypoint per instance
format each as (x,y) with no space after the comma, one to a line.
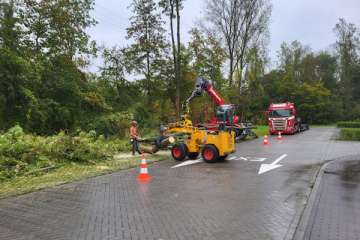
(266,140)
(144,173)
(279,137)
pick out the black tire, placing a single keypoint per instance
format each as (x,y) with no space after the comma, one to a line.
(210,154)
(179,152)
(193,155)
(239,135)
(222,158)
(252,134)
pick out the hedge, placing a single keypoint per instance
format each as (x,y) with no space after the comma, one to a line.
(352,134)
(348,124)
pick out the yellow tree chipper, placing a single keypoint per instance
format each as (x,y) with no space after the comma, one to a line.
(214,141)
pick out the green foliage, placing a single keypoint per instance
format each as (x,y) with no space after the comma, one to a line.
(348,124)
(146,53)
(111,124)
(21,153)
(350,134)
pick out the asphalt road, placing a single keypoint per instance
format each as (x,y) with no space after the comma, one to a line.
(227,200)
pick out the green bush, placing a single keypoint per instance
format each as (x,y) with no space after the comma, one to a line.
(113,124)
(351,134)
(348,124)
(21,153)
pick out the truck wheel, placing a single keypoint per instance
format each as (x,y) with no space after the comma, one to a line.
(193,155)
(210,154)
(179,151)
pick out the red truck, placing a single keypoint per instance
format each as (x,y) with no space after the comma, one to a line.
(282,118)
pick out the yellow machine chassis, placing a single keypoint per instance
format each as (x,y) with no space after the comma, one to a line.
(196,139)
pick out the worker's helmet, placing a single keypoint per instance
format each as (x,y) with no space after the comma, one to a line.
(133,123)
(162,128)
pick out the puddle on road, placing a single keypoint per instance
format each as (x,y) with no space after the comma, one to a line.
(351,171)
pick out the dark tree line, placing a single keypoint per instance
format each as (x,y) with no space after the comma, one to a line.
(44,51)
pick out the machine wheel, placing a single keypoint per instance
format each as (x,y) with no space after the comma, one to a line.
(239,135)
(223,158)
(210,154)
(179,151)
(193,155)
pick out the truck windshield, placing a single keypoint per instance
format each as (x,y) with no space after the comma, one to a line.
(280,113)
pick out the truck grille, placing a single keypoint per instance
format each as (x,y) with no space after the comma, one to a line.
(279,124)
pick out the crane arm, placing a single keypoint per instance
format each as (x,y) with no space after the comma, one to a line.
(204,85)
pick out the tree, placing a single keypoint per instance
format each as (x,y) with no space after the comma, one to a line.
(172,9)
(10,32)
(347,47)
(147,52)
(59,27)
(241,24)
(208,56)
(114,67)
(327,67)
(291,58)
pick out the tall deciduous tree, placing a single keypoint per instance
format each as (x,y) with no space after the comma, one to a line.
(208,56)
(147,33)
(172,9)
(241,24)
(59,27)
(348,46)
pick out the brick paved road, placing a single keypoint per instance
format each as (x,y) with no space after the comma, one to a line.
(335,213)
(227,200)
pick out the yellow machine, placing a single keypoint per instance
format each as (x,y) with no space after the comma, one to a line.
(212,144)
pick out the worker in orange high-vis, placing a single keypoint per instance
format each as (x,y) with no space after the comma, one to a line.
(134,137)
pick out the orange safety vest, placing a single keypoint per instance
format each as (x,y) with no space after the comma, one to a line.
(133,132)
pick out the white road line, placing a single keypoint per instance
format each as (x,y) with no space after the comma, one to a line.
(258,159)
(189,162)
(255,159)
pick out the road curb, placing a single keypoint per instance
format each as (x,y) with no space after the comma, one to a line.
(300,228)
(299,231)
(299,219)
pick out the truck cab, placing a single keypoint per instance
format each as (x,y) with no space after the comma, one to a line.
(282,118)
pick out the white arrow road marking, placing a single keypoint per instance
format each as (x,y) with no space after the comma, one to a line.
(242,158)
(190,162)
(267,167)
(232,158)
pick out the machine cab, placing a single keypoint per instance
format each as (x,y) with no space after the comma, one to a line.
(225,113)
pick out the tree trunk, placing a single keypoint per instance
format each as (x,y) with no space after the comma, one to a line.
(148,74)
(177,102)
(147,64)
(231,71)
(178,69)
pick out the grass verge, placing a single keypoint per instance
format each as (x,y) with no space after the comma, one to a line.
(70,172)
(349,134)
(261,130)
(349,124)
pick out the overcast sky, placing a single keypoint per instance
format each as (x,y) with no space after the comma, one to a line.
(309,21)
